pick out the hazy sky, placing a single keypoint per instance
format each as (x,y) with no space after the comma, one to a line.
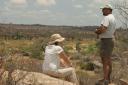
(52,12)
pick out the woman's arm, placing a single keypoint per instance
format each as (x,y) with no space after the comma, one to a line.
(62,63)
(64,60)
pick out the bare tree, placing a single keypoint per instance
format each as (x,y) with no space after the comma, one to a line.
(122,7)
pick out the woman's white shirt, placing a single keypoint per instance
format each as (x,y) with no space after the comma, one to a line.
(51,59)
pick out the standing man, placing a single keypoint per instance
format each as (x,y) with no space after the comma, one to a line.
(106,34)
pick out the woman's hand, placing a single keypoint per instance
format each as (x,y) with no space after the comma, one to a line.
(64,60)
(64,64)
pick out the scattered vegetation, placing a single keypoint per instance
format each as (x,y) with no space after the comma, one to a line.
(24,49)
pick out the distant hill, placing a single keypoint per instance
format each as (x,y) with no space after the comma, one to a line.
(36,30)
(23,26)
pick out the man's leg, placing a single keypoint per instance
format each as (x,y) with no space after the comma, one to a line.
(107,67)
(106,53)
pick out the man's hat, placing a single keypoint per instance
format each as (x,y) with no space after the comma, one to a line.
(108,6)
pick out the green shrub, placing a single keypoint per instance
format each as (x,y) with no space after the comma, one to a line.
(67,49)
(2,49)
(76,56)
(38,48)
(90,49)
(87,66)
(18,36)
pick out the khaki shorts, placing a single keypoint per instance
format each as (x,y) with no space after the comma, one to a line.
(106,47)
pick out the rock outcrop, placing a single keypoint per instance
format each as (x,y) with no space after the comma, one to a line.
(123,82)
(33,78)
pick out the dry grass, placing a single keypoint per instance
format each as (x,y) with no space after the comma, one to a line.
(86,78)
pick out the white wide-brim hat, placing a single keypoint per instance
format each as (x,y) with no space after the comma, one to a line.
(56,38)
(108,6)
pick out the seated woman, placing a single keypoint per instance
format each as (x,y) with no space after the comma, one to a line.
(56,62)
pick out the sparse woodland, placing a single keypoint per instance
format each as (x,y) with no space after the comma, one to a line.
(22,47)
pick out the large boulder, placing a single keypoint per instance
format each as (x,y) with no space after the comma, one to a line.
(33,78)
(123,82)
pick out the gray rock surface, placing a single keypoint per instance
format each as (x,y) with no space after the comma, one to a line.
(33,78)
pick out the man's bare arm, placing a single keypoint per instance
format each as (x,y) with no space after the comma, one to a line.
(101,29)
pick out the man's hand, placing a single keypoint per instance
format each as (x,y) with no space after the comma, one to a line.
(101,30)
